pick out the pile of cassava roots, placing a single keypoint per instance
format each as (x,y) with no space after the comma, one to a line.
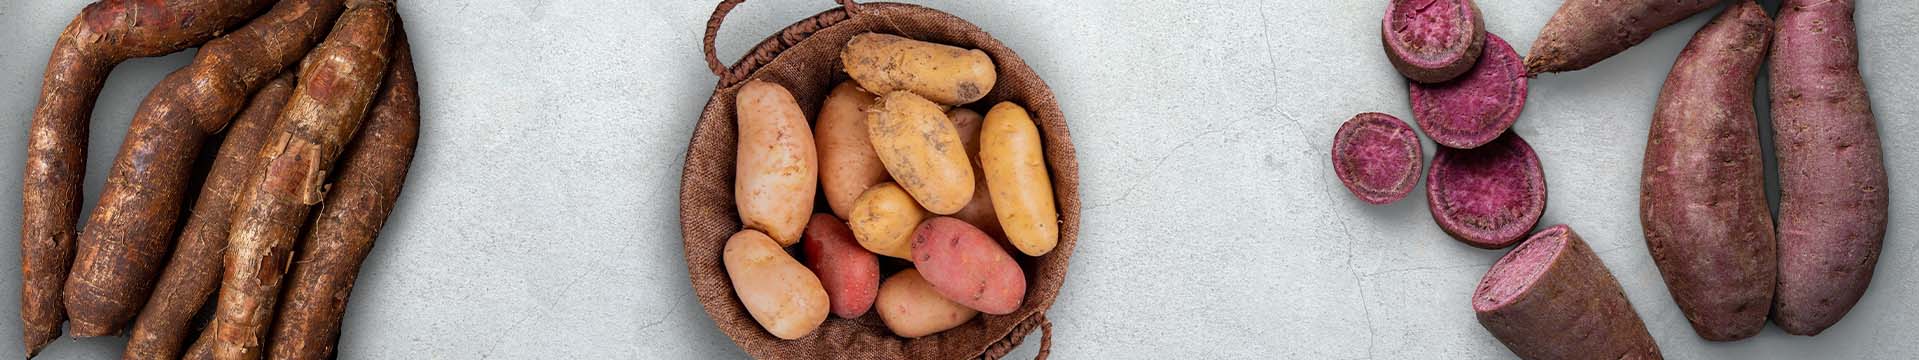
(310,112)
(908,172)
(1728,263)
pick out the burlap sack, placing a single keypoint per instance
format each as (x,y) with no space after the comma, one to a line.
(805,59)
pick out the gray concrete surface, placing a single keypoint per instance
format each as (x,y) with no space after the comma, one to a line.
(540,220)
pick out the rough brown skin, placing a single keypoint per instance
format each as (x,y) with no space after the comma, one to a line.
(1702,199)
(194,270)
(337,83)
(1832,176)
(370,176)
(1585,32)
(202,348)
(100,37)
(1552,298)
(131,228)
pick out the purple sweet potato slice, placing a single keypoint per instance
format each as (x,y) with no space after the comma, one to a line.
(1377,156)
(1490,196)
(1476,107)
(1552,298)
(1432,41)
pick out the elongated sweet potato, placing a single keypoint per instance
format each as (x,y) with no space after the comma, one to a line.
(363,193)
(100,37)
(1832,176)
(1432,41)
(194,270)
(1584,32)
(1552,298)
(336,86)
(132,227)
(1702,199)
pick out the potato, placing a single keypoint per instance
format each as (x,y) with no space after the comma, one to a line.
(781,294)
(945,74)
(1016,173)
(978,211)
(850,274)
(884,218)
(912,308)
(968,267)
(776,168)
(922,151)
(848,164)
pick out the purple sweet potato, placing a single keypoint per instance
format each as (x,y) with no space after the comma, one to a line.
(1475,108)
(1702,199)
(1487,197)
(968,267)
(1584,32)
(850,274)
(1432,41)
(1377,156)
(1832,176)
(1552,298)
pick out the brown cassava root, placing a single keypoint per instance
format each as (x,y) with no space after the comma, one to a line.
(130,231)
(100,37)
(337,83)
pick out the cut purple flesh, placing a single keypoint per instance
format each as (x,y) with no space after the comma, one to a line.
(1490,196)
(1432,41)
(1377,156)
(1475,108)
(1518,270)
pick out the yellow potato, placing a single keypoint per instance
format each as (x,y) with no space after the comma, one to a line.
(978,211)
(884,218)
(1016,172)
(922,151)
(776,170)
(944,74)
(912,308)
(848,164)
(780,293)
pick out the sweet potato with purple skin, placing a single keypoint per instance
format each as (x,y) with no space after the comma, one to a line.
(1832,175)
(99,38)
(1478,106)
(1552,298)
(1432,41)
(850,274)
(125,245)
(1584,32)
(968,267)
(1487,197)
(1377,156)
(1702,199)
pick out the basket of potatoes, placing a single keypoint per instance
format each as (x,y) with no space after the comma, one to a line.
(878,181)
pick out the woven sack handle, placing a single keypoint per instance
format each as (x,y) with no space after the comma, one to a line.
(769,48)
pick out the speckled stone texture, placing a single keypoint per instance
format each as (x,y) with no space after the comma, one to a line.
(540,218)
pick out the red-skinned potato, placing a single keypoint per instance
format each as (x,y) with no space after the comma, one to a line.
(850,274)
(968,267)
